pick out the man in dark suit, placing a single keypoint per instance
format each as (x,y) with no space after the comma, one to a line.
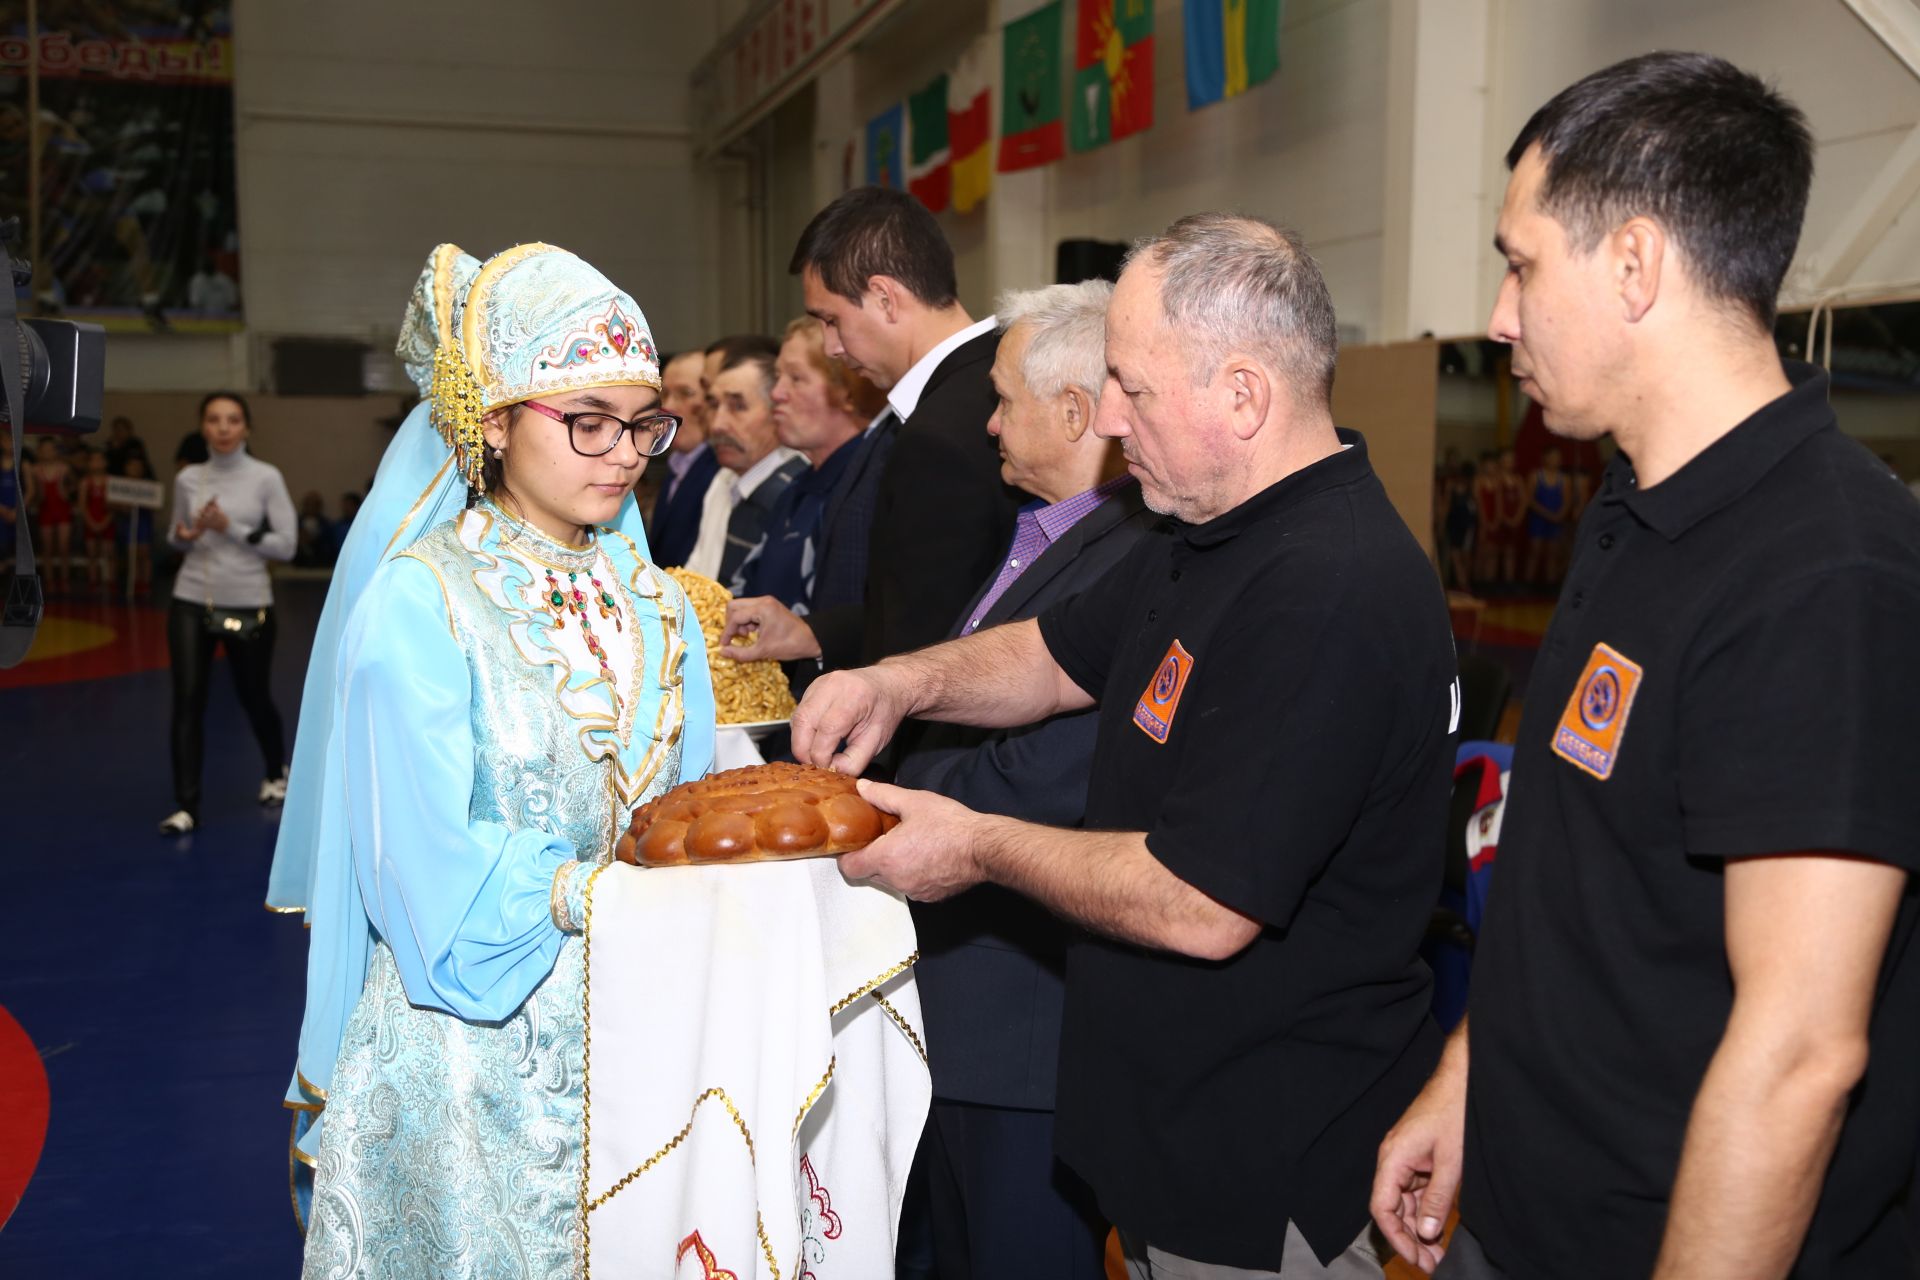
(921,515)
(690,465)
(992,964)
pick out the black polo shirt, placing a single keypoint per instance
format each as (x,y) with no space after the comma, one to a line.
(1275,692)
(1731,671)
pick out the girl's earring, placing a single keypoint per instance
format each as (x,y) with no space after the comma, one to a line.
(499,453)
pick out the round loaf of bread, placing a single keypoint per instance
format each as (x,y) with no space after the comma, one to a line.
(765,813)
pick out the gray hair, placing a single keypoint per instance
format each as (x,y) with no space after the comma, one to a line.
(1231,283)
(1069,343)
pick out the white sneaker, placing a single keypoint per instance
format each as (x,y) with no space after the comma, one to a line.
(177,823)
(274,790)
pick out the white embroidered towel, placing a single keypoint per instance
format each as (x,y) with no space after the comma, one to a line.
(756,1078)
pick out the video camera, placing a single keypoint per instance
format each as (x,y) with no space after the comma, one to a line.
(54,377)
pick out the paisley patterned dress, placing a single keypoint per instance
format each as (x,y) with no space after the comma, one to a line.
(490,750)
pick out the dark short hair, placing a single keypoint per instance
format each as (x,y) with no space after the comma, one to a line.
(877,231)
(739,346)
(246,414)
(1707,150)
(765,360)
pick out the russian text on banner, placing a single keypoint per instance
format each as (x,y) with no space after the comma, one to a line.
(1031,133)
(1231,46)
(1113,72)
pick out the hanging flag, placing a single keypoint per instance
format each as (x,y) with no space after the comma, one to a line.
(1030,130)
(970,123)
(1232,45)
(886,161)
(930,164)
(1113,76)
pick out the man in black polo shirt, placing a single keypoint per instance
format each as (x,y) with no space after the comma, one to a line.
(1269,781)
(1701,917)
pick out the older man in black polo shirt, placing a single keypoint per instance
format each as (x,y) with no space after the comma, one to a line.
(1702,915)
(1274,676)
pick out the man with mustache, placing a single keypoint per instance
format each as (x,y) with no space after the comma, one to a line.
(755,469)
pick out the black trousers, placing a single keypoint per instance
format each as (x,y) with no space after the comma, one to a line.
(996,1204)
(192,637)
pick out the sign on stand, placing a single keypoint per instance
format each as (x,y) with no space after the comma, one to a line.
(125,491)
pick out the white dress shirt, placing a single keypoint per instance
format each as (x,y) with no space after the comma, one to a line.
(905,396)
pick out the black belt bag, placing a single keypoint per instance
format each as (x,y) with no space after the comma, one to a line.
(234,624)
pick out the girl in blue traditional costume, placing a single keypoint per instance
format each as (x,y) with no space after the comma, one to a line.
(492,693)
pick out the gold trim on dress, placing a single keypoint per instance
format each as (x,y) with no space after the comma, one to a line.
(406,521)
(282,911)
(310,1086)
(293,1175)
(446,597)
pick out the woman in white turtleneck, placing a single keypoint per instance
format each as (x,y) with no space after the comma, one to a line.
(231,514)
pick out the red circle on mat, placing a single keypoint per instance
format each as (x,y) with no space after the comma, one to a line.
(23,1112)
(138,643)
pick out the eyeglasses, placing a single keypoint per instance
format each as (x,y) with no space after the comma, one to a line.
(595,434)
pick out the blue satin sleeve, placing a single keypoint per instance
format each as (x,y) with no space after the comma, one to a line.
(463,905)
(698,712)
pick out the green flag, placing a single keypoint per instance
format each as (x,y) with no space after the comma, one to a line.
(1030,130)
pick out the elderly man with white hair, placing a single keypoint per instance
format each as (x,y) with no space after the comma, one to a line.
(992,963)
(1246,1013)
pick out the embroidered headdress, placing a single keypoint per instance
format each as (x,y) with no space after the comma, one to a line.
(532,321)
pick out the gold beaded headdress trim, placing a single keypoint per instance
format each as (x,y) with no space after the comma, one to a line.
(457,410)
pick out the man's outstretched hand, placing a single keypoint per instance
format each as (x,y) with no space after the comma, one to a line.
(769,630)
(845,718)
(932,853)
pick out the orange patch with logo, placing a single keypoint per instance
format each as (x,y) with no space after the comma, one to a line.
(1154,712)
(1591,728)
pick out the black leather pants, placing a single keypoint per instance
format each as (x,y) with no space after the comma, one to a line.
(192,637)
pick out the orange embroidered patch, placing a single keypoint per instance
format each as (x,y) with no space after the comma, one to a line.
(1154,712)
(1590,729)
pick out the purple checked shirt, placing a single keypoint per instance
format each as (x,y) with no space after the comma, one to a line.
(1038,527)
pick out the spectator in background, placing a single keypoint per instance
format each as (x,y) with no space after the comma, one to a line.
(1460,522)
(191,450)
(231,515)
(820,408)
(691,466)
(1549,500)
(315,546)
(50,483)
(96,520)
(878,274)
(136,529)
(754,469)
(349,508)
(212,290)
(123,445)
